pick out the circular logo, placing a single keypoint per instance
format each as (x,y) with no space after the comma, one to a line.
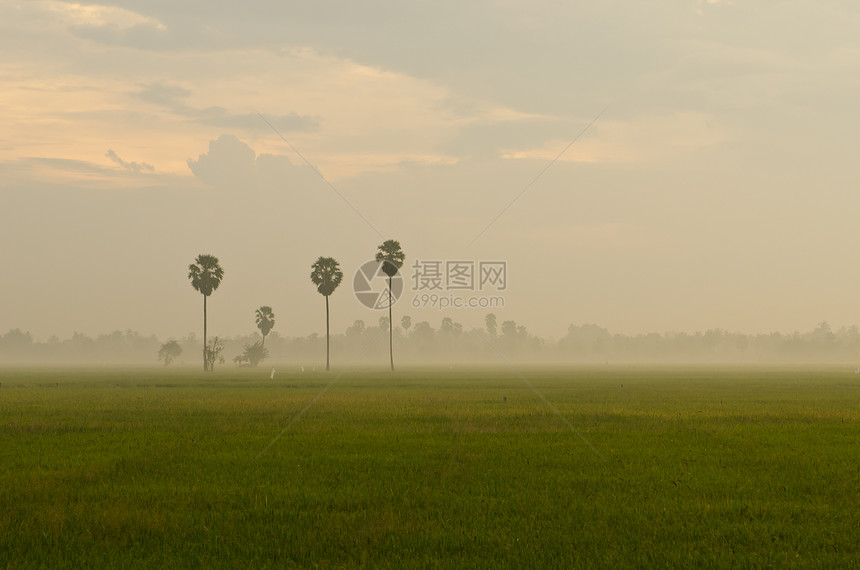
(370,286)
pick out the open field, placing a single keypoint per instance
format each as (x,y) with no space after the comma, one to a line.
(676,467)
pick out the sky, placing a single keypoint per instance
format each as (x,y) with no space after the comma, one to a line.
(674,165)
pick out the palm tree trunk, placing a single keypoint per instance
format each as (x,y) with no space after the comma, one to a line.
(390,327)
(326,333)
(205,364)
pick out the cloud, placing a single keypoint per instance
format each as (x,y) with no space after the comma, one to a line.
(38,14)
(102,23)
(66,164)
(36,172)
(141,36)
(163,94)
(131,166)
(99,16)
(110,25)
(171,97)
(652,138)
(230,163)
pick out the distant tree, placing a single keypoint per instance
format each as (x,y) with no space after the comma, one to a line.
(509,340)
(16,338)
(448,327)
(392,258)
(449,332)
(490,322)
(406,322)
(509,329)
(213,354)
(252,355)
(169,352)
(16,342)
(357,328)
(422,337)
(383,322)
(326,275)
(206,275)
(265,319)
(586,339)
(823,333)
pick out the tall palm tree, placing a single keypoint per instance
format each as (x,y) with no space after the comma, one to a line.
(326,275)
(265,319)
(205,274)
(392,258)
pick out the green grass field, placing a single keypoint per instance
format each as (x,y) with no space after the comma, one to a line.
(470,468)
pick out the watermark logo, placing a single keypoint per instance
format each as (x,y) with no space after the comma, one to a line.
(460,275)
(443,284)
(436,284)
(370,286)
(452,301)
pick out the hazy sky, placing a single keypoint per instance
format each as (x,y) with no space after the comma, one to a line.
(718,188)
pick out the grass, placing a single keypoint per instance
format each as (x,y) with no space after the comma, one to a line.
(427,468)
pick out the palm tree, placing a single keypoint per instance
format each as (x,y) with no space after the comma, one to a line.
(265,319)
(406,322)
(392,258)
(205,274)
(490,321)
(326,275)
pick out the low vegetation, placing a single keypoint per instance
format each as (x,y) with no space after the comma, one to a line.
(683,467)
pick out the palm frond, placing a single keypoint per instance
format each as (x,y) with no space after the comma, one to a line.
(326,275)
(205,274)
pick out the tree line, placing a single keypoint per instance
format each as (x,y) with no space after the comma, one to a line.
(449,342)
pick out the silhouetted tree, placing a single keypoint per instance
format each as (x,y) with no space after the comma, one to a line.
(16,338)
(16,342)
(265,319)
(169,352)
(206,275)
(326,275)
(406,322)
(423,337)
(449,328)
(357,328)
(252,355)
(490,321)
(391,257)
(449,332)
(213,354)
(509,329)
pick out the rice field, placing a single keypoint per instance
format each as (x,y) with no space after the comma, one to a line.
(456,468)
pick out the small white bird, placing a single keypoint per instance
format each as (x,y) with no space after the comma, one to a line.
(272,375)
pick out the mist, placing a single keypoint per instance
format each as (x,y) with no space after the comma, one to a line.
(448,344)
